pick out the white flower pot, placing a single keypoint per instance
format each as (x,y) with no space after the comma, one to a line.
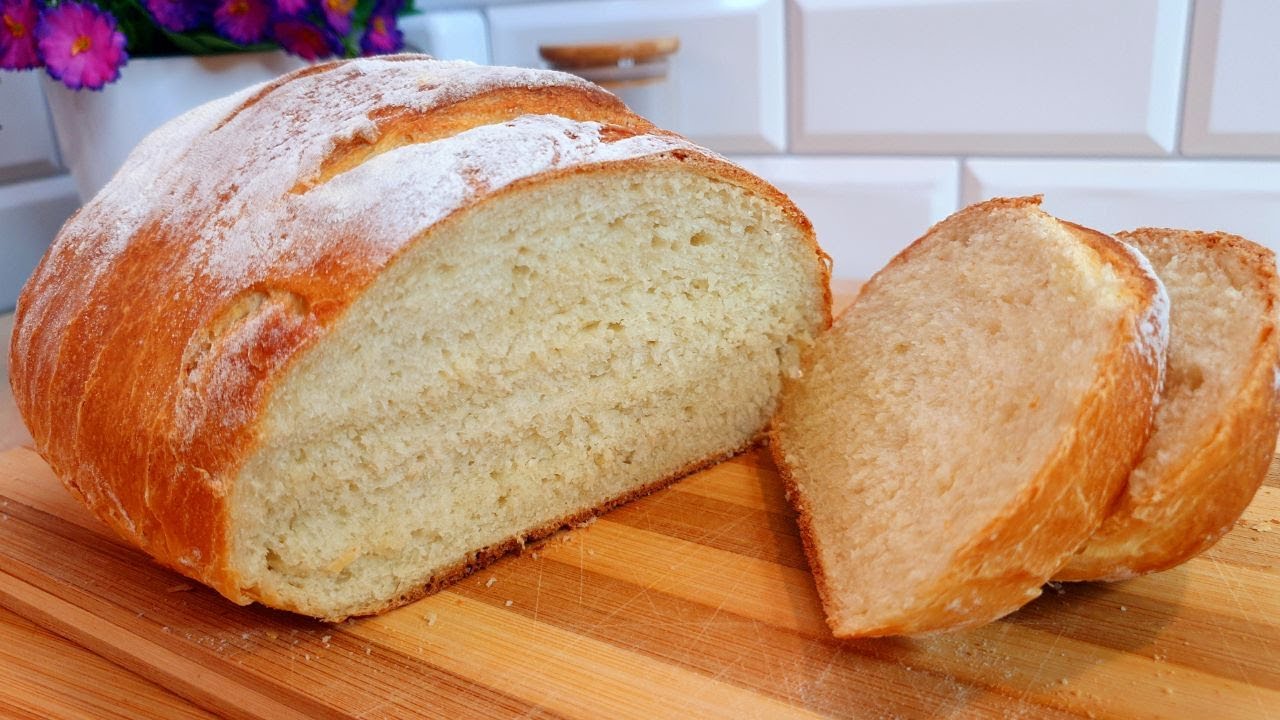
(97,130)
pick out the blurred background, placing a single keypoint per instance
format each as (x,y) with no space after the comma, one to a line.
(878,117)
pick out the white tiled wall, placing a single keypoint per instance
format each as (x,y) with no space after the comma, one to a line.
(990,76)
(863,209)
(1233,80)
(27,146)
(30,214)
(1236,195)
(1121,112)
(726,87)
(880,117)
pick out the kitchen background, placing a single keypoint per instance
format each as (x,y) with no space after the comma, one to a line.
(878,117)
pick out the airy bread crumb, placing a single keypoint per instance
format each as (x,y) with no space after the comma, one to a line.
(968,420)
(1216,427)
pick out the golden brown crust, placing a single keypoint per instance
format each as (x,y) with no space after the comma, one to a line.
(1004,567)
(1208,487)
(142,374)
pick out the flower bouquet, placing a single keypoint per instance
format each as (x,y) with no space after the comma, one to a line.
(84,43)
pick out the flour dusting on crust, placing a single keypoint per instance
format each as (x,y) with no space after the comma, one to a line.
(1153,326)
(233,195)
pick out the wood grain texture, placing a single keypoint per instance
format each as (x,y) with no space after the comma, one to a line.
(692,602)
(51,676)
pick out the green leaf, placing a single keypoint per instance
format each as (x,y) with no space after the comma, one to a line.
(203,42)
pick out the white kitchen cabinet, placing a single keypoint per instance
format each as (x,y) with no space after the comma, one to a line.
(31,213)
(1242,197)
(864,210)
(986,76)
(27,147)
(726,85)
(448,35)
(1233,79)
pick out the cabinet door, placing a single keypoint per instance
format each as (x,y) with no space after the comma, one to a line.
(987,76)
(725,88)
(31,213)
(1233,79)
(864,210)
(1240,197)
(26,139)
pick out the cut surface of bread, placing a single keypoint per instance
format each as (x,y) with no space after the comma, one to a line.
(1215,430)
(600,339)
(966,423)
(339,339)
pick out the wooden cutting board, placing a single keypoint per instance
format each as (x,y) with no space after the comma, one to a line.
(693,602)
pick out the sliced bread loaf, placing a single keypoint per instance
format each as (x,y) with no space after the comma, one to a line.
(1215,430)
(968,421)
(339,339)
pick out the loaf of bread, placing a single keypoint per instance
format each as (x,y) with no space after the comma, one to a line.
(1215,430)
(967,423)
(336,340)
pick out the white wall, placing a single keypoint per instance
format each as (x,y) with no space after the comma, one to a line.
(880,117)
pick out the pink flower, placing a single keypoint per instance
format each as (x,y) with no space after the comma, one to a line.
(81,45)
(292,8)
(244,21)
(178,15)
(18,19)
(381,35)
(306,40)
(338,14)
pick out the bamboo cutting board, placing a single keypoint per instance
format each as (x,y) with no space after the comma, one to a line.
(693,602)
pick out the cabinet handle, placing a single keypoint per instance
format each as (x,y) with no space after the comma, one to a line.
(614,64)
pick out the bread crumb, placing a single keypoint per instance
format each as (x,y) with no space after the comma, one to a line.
(508,603)
(1124,608)
(326,639)
(1261,527)
(368,650)
(489,583)
(535,554)
(431,619)
(586,523)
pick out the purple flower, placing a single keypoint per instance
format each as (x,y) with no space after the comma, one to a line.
(381,35)
(18,19)
(306,40)
(338,14)
(291,8)
(244,21)
(178,15)
(81,45)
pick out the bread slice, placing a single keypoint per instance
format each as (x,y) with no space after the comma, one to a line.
(966,423)
(1215,431)
(340,339)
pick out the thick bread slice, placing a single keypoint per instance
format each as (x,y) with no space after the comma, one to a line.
(967,422)
(1215,431)
(339,339)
